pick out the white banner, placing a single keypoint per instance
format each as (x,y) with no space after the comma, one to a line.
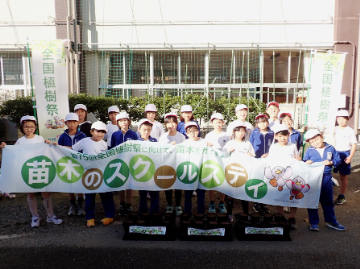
(326,80)
(142,165)
(49,75)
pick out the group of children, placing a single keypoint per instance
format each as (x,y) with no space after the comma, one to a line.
(273,137)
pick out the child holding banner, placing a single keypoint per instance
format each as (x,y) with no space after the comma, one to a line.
(240,145)
(345,145)
(172,137)
(325,153)
(84,124)
(217,139)
(67,139)
(117,138)
(295,136)
(261,139)
(112,125)
(241,112)
(93,146)
(144,127)
(28,128)
(157,130)
(192,131)
(186,117)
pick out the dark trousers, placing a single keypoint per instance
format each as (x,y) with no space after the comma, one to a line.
(154,201)
(200,201)
(107,201)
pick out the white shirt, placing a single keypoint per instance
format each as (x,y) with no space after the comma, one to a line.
(218,140)
(242,147)
(111,129)
(156,131)
(272,123)
(249,128)
(36,139)
(89,146)
(287,151)
(200,143)
(321,151)
(166,138)
(344,138)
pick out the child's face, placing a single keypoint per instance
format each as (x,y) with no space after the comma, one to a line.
(112,116)
(151,116)
(273,111)
(192,133)
(282,139)
(242,114)
(81,113)
(123,124)
(218,124)
(29,128)
(187,116)
(342,121)
(171,126)
(239,135)
(262,125)
(97,135)
(145,131)
(72,124)
(287,121)
(317,141)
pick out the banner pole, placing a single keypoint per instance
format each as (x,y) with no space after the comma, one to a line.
(31,83)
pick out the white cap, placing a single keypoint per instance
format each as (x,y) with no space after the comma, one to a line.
(239,123)
(142,121)
(240,107)
(113,109)
(71,116)
(170,115)
(311,133)
(186,108)
(99,126)
(273,103)
(190,123)
(27,117)
(217,116)
(342,113)
(80,106)
(150,108)
(279,128)
(122,115)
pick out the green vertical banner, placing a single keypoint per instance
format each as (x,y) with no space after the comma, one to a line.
(51,90)
(326,80)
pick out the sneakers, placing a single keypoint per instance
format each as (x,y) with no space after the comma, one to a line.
(128,208)
(9,195)
(107,221)
(212,208)
(336,226)
(122,209)
(81,211)
(35,222)
(222,208)
(53,219)
(169,209)
(72,210)
(265,208)
(90,223)
(257,208)
(178,210)
(292,223)
(340,200)
(314,227)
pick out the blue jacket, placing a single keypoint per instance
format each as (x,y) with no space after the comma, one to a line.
(260,143)
(296,138)
(118,137)
(150,139)
(313,155)
(65,139)
(181,128)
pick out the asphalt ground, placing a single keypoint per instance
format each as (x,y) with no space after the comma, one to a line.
(73,245)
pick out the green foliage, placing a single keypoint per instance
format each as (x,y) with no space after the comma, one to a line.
(203,108)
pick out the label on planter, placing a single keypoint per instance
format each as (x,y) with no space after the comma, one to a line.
(270,231)
(211,232)
(147,230)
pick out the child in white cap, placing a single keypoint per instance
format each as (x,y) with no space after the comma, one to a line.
(186,117)
(112,125)
(28,128)
(84,124)
(93,146)
(217,140)
(241,112)
(157,129)
(273,109)
(345,145)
